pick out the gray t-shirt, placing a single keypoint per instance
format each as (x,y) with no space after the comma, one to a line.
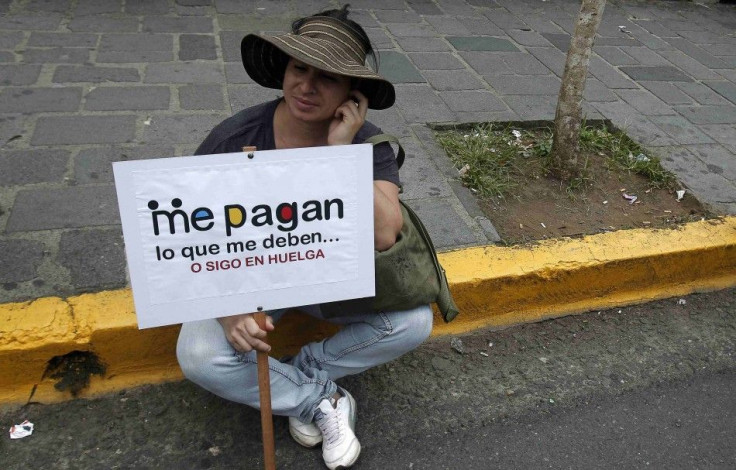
(254,127)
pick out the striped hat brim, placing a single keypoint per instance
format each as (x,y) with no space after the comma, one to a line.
(265,58)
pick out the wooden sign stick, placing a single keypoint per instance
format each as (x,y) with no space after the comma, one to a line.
(264,388)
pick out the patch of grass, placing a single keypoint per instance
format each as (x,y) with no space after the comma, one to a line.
(491,159)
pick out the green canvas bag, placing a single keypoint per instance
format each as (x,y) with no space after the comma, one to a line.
(408,274)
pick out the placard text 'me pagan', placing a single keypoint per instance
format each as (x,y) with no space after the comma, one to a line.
(286,214)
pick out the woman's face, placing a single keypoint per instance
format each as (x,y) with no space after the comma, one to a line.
(312,94)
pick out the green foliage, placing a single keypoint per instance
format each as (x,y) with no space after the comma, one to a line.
(490,159)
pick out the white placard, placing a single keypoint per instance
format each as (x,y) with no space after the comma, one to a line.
(217,235)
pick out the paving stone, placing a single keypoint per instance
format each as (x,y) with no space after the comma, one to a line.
(436,61)
(135,48)
(107,24)
(94,258)
(420,104)
(681,130)
(17,75)
(486,64)
(725,89)
(146,7)
(230,45)
(486,116)
(197,46)
(397,16)
(481,101)
(610,76)
(720,49)
(596,91)
(660,73)
(87,73)
(423,44)
(690,66)
(559,40)
(424,7)
(528,38)
(184,72)
(40,100)
(7,57)
(12,127)
(420,177)
(521,85)
(94,165)
(45,39)
(56,55)
(637,126)
(168,24)
(10,39)
(480,26)
(482,44)
(618,41)
(718,160)
(703,38)
(19,259)
(723,133)
(702,94)
(550,57)
(656,28)
(645,55)
(206,97)
(708,114)
(532,107)
(446,80)
(74,130)
(644,102)
(396,68)
(667,92)
(615,56)
(58,6)
(73,207)
(379,38)
(540,25)
(235,73)
(503,19)
(448,25)
(411,30)
(137,98)
(180,129)
(525,64)
(456,8)
(445,226)
(35,22)
(245,96)
(254,23)
(697,53)
(18,167)
(97,7)
(391,122)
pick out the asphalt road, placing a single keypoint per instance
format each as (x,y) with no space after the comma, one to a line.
(648,386)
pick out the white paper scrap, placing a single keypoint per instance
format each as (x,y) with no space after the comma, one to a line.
(21,430)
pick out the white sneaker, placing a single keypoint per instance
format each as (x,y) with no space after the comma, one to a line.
(307,435)
(340,447)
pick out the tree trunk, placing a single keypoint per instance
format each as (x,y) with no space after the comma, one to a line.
(569,114)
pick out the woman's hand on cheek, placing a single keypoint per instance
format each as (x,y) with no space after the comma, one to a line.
(349,118)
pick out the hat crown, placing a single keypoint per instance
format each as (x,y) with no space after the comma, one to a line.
(337,33)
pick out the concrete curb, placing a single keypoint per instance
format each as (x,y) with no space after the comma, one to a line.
(493,286)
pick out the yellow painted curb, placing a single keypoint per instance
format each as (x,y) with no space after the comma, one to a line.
(493,286)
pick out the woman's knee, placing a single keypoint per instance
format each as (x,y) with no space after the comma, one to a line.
(412,327)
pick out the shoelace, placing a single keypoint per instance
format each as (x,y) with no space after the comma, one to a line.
(329,424)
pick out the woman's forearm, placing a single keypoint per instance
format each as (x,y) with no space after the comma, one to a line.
(387,218)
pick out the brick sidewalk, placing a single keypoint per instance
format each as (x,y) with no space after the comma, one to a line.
(88,82)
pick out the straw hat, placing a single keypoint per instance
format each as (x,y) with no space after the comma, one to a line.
(322,42)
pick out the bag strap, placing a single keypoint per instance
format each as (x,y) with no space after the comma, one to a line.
(391,139)
(445,302)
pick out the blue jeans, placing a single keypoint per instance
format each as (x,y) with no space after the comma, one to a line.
(297,386)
